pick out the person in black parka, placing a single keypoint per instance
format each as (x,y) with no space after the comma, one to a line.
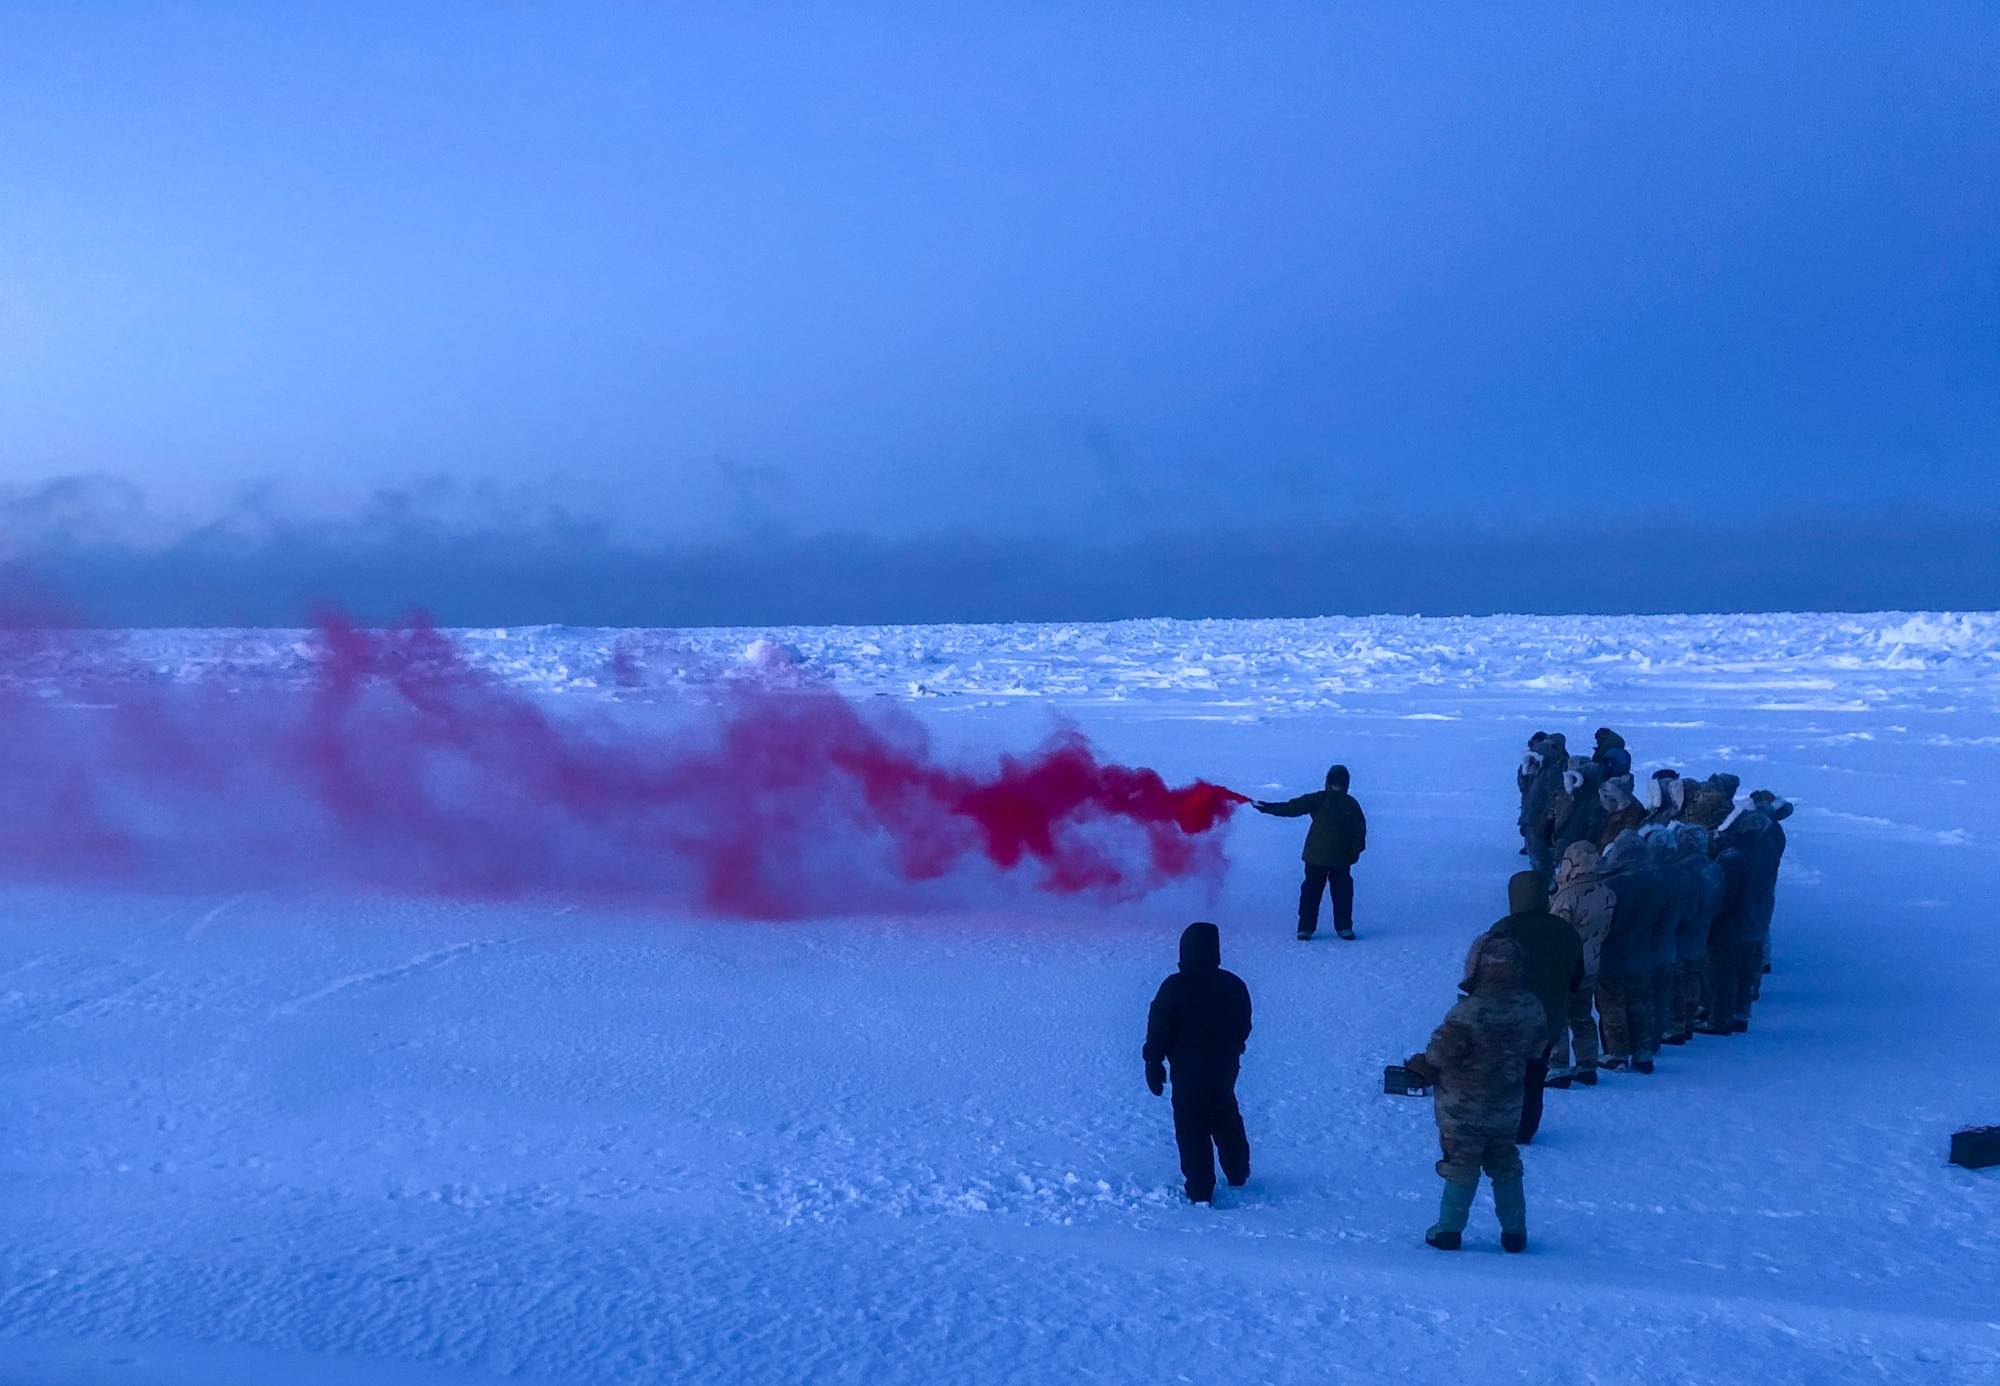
(1336,840)
(1197,1027)
(1552,968)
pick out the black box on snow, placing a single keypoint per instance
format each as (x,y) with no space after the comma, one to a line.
(1976,1147)
(1398,1081)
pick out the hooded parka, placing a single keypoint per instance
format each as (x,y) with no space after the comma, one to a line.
(1197,1027)
(1480,1053)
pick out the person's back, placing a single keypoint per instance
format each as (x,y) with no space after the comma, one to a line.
(1628,940)
(1552,970)
(1704,888)
(1760,880)
(1196,1029)
(1749,863)
(1586,903)
(1200,1017)
(1477,1060)
(1704,892)
(1777,811)
(1677,894)
(1552,952)
(1481,1049)
(1624,980)
(1584,900)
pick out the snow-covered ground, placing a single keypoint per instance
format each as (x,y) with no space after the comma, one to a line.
(314,1137)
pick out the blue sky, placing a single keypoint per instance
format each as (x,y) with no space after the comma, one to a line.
(1020,271)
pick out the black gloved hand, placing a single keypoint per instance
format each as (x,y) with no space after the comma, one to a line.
(1156,1078)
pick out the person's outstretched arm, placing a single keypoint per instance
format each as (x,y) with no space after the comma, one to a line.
(1289,808)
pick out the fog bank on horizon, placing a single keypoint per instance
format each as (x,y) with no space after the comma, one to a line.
(72,558)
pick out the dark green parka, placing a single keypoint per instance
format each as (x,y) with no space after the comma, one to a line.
(1339,832)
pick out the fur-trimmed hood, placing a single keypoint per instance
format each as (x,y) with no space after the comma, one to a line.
(1665,790)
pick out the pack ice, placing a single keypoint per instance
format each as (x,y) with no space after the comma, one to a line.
(294,1130)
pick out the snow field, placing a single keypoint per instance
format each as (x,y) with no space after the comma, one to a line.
(320,1137)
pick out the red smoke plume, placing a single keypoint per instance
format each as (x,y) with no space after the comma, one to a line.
(406,767)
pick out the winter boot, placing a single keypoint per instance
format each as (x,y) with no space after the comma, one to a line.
(1345,933)
(1559,1083)
(1642,1066)
(1510,1201)
(1453,1210)
(1305,936)
(1585,1077)
(1615,1064)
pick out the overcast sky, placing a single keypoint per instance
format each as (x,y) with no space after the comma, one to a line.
(1010,269)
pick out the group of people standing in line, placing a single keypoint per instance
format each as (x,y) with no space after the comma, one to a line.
(1671,898)
(1639,923)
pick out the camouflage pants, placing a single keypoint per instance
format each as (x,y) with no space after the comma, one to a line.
(1664,976)
(1687,993)
(1465,1156)
(1581,1032)
(1625,1013)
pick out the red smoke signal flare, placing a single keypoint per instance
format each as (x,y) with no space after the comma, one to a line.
(404,766)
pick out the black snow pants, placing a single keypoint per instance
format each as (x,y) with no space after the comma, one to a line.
(1207,1124)
(1335,880)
